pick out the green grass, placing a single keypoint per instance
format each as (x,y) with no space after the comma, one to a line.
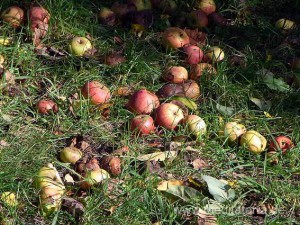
(32,142)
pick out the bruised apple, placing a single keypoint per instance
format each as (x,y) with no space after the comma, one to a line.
(175,74)
(191,90)
(94,177)
(39,13)
(70,155)
(97,92)
(215,54)
(13,15)
(107,17)
(168,115)
(174,38)
(207,6)
(282,143)
(45,106)
(253,141)
(142,125)
(195,125)
(202,68)
(143,102)
(233,131)
(193,54)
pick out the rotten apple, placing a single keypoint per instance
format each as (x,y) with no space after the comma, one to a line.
(193,54)
(39,13)
(200,69)
(175,74)
(107,17)
(45,106)
(215,54)
(233,130)
(207,6)
(13,15)
(282,143)
(174,38)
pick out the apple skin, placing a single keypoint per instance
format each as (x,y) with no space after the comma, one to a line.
(143,102)
(13,15)
(285,24)
(199,69)
(94,177)
(97,92)
(175,74)
(142,125)
(46,106)
(284,144)
(174,38)
(215,54)
(193,53)
(197,19)
(79,45)
(70,155)
(168,115)
(196,125)
(107,17)
(39,13)
(253,141)
(233,131)
(207,6)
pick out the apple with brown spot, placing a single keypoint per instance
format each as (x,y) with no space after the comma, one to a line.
(175,74)
(193,54)
(45,106)
(97,92)
(168,115)
(174,38)
(13,15)
(142,125)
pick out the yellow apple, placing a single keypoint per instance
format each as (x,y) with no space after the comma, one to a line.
(233,131)
(9,198)
(285,24)
(253,141)
(215,54)
(79,46)
(196,125)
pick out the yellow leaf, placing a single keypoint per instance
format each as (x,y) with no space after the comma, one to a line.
(164,185)
(268,115)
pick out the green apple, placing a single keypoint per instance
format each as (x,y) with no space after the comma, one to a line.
(94,177)
(79,46)
(233,131)
(196,125)
(70,155)
(253,141)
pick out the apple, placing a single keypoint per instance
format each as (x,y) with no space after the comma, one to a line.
(70,155)
(142,125)
(9,198)
(175,74)
(233,130)
(143,102)
(197,19)
(218,19)
(285,24)
(45,106)
(79,45)
(282,143)
(174,38)
(39,28)
(215,54)
(195,125)
(141,4)
(191,89)
(112,164)
(39,13)
(96,92)
(193,54)
(253,141)
(200,69)
(13,15)
(207,6)
(168,115)
(167,6)
(94,177)
(107,17)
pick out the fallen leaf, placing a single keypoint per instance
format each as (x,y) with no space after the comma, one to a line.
(196,36)
(225,110)
(204,218)
(199,164)
(164,185)
(218,189)
(260,103)
(158,156)
(124,91)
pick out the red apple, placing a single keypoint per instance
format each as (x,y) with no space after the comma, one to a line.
(142,125)
(202,68)
(175,74)
(97,92)
(46,106)
(282,143)
(193,54)
(197,19)
(143,102)
(207,6)
(174,38)
(39,13)
(168,115)
(13,15)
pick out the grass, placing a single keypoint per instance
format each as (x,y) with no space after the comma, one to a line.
(33,142)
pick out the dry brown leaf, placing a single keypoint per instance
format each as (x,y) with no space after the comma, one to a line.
(124,91)
(204,218)
(199,164)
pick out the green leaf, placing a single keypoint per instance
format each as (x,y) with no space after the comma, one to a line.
(183,192)
(262,104)
(221,191)
(225,110)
